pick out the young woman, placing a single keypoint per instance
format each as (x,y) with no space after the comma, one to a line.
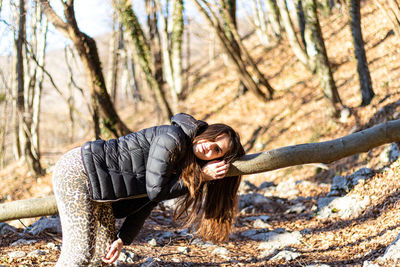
(127,177)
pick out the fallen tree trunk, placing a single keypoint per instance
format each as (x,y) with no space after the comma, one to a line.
(323,152)
(28,208)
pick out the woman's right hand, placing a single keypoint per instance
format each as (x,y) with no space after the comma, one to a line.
(215,170)
(114,251)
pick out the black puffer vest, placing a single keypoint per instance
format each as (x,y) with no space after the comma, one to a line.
(141,164)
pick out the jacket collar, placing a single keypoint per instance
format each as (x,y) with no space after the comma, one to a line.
(188,124)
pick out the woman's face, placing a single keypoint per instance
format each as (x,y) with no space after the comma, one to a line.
(209,150)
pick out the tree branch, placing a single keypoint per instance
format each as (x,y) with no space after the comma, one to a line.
(54,18)
(323,152)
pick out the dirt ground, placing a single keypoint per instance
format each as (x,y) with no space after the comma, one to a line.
(298,114)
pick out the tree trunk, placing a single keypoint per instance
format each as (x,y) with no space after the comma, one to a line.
(71,99)
(237,61)
(103,107)
(260,22)
(364,76)
(176,44)
(188,59)
(261,80)
(18,92)
(166,51)
(273,17)
(322,152)
(25,85)
(37,55)
(301,20)
(326,7)
(317,52)
(154,42)
(5,106)
(298,50)
(114,59)
(3,127)
(143,52)
(227,11)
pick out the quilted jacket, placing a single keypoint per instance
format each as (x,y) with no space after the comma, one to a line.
(138,170)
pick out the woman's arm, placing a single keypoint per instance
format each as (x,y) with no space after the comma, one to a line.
(134,222)
(129,230)
(159,177)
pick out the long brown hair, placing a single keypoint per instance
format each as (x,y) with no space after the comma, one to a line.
(210,206)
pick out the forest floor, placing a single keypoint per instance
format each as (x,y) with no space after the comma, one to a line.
(298,114)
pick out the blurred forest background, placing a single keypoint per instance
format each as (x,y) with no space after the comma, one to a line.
(281,72)
(161,57)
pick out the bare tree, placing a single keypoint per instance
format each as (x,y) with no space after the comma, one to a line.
(313,56)
(143,52)
(260,21)
(35,62)
(176,44)
(363,73)
(102,105)
(273,17)
(301,20)
(317,52)
(115,46)
(129,81)
(294,42)
(171,33)
(5,108)
(28,90)
(239,61)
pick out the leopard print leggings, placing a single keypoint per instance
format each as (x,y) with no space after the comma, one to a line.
(88,227)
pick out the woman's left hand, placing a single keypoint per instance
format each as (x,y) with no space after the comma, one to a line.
(215,170)
(114,251)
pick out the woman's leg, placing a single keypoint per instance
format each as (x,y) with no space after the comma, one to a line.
(78,214)
(105,230)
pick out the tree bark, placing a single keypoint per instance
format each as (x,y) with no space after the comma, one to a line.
(317,52)
(5,105)
(28,208)
(273,17)
(154,42)
(143,52)
(363,73)
(294,42)
(103,107)
(260,22)
(27,94)
(35,64)
(246,55)
(237,61)
(18,91)
(301,20)
(176,44)
(114,59)
(322,152)
(166,51)
(326,7)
